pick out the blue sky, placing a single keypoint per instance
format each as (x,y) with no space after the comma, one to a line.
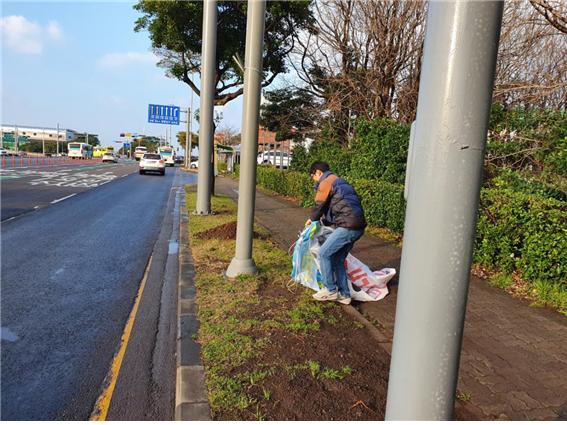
(80,64)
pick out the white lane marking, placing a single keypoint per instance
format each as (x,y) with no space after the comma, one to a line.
(62,199)
(36,207)
(7,335)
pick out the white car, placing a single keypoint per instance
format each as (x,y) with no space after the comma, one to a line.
(274,158)
(194,164)
(3,152)
(109,157)
(152,162)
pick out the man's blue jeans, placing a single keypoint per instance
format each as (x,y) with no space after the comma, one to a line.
(332,255)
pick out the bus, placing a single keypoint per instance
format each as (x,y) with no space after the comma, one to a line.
(139,152)
(79,150)
(168,155)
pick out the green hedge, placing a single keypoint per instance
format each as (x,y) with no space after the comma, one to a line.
(524,232)
(383,202)
(509,179)
(379,151)
(515,231)
(287,183)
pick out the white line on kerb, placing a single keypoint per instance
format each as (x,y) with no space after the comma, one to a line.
(62,199)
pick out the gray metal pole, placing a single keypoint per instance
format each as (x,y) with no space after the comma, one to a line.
(187,138)
(457,77)
(206,131)
(191,127)
(16,139)
(57,149)
(242,263)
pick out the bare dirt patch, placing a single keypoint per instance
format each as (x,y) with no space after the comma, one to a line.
(225,231)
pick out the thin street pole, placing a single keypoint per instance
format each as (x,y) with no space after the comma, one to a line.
(43,141)
(457,77)
(187,136)
(16,139)
(191,127)
(206,130)
(243,263)
(57,151)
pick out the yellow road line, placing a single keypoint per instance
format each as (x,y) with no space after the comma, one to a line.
(103,403)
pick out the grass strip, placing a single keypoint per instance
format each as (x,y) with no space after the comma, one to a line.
(238,318)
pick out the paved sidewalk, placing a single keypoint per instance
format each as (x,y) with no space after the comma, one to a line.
(514,357)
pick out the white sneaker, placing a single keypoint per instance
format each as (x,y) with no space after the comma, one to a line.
(326,295)
(343,299)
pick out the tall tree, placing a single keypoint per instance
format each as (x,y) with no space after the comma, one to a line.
(554,11)
(175,29)
(362,59)
(290,112)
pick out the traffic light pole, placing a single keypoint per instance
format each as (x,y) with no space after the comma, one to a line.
(208,66)
(455,94)
(243,263)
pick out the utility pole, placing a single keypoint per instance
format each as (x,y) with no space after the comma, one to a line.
(243,263)
(57,140)
(208,67)
(188,139)
(191,127)
(43,141)
(16,139)
(457,76)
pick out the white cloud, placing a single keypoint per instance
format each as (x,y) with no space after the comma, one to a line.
(21,35)
(122,60)
(26,37)
(54,30)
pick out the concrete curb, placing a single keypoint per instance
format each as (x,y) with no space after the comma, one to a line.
(191,401)
(383,341)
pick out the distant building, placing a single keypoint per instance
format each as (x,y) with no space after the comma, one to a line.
(267,141)
(40,133)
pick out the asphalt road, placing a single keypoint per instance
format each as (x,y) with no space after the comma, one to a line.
(70,274)
(25,189)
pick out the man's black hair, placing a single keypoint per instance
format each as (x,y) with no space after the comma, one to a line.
(319,165)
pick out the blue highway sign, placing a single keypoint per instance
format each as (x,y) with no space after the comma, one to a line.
(163,114)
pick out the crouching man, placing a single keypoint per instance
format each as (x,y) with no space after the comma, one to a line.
(336,205)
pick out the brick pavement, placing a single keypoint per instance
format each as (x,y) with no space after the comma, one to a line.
(514,357)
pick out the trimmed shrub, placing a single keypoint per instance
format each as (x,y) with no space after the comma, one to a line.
(287,183)
(518,231)
(509,179)
(381,148)
(383,202)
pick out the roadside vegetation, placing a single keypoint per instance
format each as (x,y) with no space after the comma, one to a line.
(521,237)
(270,351)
